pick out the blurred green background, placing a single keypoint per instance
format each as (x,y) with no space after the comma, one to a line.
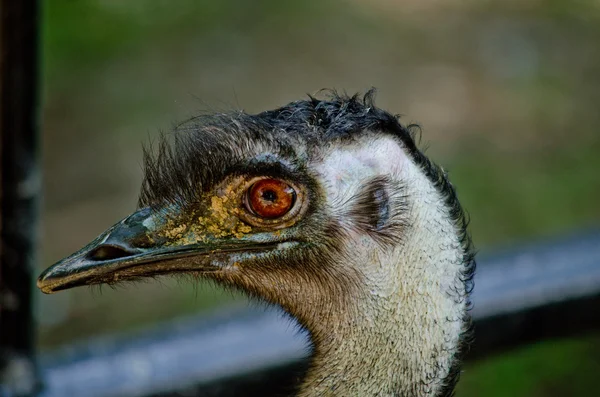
(507,92)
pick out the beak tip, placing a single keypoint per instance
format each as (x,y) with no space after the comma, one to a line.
(43,285)
(46,281)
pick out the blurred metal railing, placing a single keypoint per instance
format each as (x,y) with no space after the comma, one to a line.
(525,294)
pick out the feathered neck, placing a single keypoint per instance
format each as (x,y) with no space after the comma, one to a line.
(403,330)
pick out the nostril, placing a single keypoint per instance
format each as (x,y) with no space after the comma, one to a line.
(108,252)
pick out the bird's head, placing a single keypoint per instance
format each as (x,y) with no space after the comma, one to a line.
(324,207)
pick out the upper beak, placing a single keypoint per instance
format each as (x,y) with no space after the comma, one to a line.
(131,249)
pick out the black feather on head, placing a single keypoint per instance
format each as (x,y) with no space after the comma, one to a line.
(202,150)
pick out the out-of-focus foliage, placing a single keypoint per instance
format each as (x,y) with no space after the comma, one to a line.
(507,93)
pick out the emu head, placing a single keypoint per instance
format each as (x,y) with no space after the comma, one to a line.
(323,207)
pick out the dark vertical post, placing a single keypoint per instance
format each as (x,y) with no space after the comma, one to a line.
(19,192)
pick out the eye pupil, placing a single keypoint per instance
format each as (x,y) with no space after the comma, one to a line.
(270,198)
(269,195)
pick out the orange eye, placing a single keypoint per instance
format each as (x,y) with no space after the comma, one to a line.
(270,198)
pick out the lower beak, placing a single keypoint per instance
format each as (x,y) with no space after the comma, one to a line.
(128,251)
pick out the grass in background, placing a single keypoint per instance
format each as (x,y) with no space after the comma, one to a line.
(516,196)
(551,368)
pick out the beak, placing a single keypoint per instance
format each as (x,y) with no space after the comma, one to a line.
(131,249)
